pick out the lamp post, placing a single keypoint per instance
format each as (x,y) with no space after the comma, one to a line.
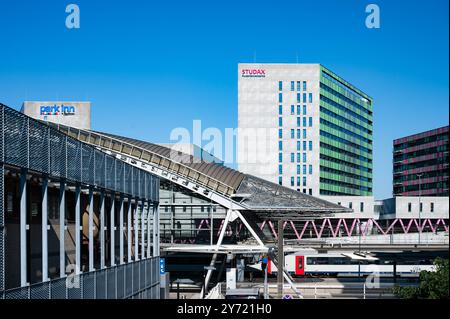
(420,205)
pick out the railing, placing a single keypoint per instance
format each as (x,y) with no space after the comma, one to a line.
(121,147)
(138,280)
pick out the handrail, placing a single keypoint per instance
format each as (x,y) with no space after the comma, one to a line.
(101,140)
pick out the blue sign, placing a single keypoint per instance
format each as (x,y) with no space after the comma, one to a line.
(162,266)
(57,110)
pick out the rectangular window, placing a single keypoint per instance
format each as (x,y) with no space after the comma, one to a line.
(310,145)
(304,133)
(304,97)
(280,86)
(304,145)
(304,122)
(409,207)
(304,85)
(304,110)
(292,181)
(298,85)
(304,181)
(298,157)
(361,207)
(280,169)
(304,169)
(280,157)
(298,169)
(280,133)
(310,191)
(280,180)
(280,121)
(298,181)
(432,207)
(280,110)
(304,157)
(298,98)
(292,157)
(310,169)
(298,134)
(292,110)
(298,110)
(280,145)
(280,98)
(292,85)
(298,146)
(350,205)
(298,121)
(310,122)
(310,98)
(292,133)
(421,207)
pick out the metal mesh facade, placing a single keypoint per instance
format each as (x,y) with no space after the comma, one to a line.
(108,283)
(27,143)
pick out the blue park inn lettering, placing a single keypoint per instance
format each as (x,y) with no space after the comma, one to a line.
(57,110)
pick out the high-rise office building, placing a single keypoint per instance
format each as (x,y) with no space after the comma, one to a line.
(422,160)
(304,127)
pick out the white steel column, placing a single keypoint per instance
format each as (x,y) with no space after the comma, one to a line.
(23,228)
(102,229)
(112,230)
(143,230)
(136,231)
(121,229)
(44,207)
(129,230)
(62,228)
(148,230)
(78,229)
(156,230)
(91,229)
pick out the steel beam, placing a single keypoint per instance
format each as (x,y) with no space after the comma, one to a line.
(44,229)
(62,229)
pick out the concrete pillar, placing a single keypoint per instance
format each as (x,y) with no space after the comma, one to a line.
(23,228)
(44,207)
(91,229)
(102,230)
(62,229)
(78,229)
(112,230)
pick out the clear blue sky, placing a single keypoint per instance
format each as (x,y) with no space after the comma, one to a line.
(149,67)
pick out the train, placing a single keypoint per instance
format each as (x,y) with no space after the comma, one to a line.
(346,265)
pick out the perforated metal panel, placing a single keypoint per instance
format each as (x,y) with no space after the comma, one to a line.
(2,230)
(120,176)
(58,289)
(73,160)
(135,277)
(18,293)
(110,172)
(128,180)
(120,282)
(39,147)
(99,168)
(2,145)
(142,277)
(75,293)
(101,284)
(40,291)
(128,280)
(111,283)
(88,286)
(16,140)
(87,158)
(135,181)
(57,154)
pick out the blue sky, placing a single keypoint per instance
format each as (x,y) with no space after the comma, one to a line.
(148,67)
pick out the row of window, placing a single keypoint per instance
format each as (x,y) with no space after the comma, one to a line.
(280,135)
(280,158)
(299,100)
(350,205)
(280,110)
(306,169)
(202,209)
(299,84)
(345,120)
(421,207)
(348,91)
(349,164)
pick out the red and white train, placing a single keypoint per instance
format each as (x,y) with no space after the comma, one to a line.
(345,265)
